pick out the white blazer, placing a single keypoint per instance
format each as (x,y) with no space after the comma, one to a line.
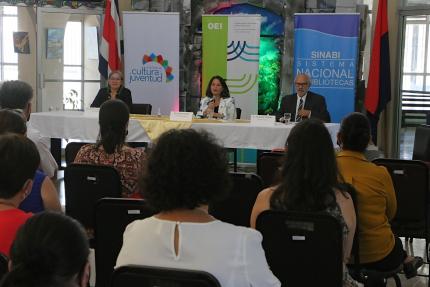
(226,107)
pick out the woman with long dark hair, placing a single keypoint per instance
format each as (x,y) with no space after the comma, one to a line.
(217,103)
(310,183)
(111,149)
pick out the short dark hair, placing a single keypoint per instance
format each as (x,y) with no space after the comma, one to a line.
(12,121)
(309,172)
(113,119)
(19,160)
(355,132)
(225,92)
(15,94)
(185,169)
(49,250)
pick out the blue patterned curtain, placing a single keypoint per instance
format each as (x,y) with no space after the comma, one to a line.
(55,3)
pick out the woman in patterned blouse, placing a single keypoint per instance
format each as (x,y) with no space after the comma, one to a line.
(111,149)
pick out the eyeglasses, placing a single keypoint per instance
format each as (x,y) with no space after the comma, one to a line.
(115,79)
(301,84)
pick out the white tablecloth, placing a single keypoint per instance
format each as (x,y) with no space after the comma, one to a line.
(84,126)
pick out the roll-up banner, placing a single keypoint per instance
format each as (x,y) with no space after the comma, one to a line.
(326,48)
(151,59)
(231,46)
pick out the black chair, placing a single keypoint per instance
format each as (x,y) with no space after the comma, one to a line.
(85,184)
(112,217)
(148,276)
(237,207)
(72,149)
(137,144)
(422,143)
(268,165)
(238,113)
(411,184)
(143,109)
(3,265)
(303,249)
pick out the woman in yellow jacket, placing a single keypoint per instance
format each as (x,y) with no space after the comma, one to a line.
(380,249)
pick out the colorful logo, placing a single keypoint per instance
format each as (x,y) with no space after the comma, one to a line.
(164,63)
(155,70)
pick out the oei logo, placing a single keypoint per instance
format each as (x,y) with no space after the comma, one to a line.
(214,26)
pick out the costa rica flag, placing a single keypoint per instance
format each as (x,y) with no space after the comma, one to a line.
(110,46)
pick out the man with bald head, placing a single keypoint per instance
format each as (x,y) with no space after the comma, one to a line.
(303,104)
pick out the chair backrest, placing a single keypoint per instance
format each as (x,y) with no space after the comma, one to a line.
(137,144)
(268,165)
(422,143)
(85,184)
(143,109)
(3,265)
(295,241)
(410,180)
(147,276)
(112,217)
(238,113)
(237,207)
(72,150)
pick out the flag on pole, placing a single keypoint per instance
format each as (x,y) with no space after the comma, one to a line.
(110,46)
(378,92)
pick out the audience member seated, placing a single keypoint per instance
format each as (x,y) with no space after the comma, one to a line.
(43,194)
(50,250)
(217,103)
(380,249)
(309,182)
(111,149)
(185,172)
(19,160)
(114,90)
(18,95)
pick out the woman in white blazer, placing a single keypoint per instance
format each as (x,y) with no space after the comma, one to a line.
(218,103)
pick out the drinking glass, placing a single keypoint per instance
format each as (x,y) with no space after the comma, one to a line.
(287,118)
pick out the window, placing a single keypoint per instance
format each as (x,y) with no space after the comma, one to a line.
(409,3)
(416,67)
(72,70)
(8,57)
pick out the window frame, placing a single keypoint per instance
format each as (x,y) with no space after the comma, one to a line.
(4,63)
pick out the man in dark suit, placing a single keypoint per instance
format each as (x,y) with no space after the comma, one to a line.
(303,104)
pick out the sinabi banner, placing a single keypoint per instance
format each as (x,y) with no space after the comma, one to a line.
(151,59)
(326,48)
(231,46)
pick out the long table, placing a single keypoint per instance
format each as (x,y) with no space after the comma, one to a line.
(84,126)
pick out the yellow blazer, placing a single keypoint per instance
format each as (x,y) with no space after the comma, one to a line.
(376,203)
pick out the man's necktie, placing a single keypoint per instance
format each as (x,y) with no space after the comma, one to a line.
(298,117)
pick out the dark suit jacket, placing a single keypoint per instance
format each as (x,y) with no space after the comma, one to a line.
(314,102)
(103,95)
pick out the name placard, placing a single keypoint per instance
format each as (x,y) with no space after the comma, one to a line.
(263,120)
(181,116)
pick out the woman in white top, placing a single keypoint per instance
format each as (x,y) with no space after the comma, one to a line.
(218,103)
(185,171)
